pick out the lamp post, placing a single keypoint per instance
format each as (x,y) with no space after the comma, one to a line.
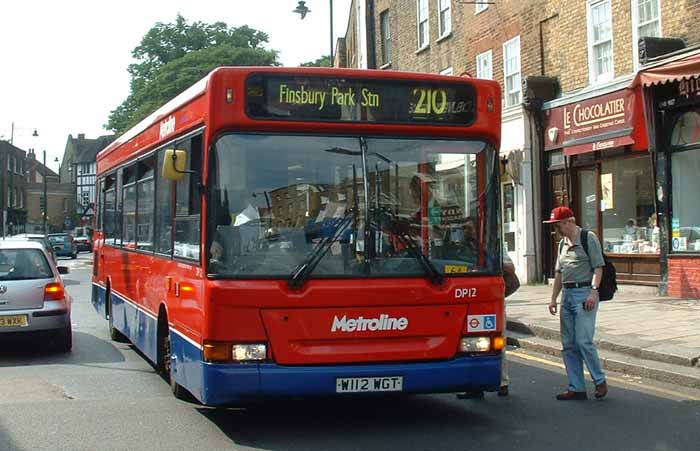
(303,10)
(46,199)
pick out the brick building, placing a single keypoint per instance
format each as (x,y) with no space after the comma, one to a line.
(574,125)
(487,41)
(13,194)
(60,198)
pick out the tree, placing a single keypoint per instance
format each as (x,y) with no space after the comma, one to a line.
(324,61)
(173,56)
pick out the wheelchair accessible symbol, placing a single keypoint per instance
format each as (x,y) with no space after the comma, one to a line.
(477,323)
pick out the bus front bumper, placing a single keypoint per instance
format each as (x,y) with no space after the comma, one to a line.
(232,383)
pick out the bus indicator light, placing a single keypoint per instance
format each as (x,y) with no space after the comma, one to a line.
(229,95)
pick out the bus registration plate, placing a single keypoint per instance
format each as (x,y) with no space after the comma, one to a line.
(368,384)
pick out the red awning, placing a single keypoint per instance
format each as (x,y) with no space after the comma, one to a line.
(687,67)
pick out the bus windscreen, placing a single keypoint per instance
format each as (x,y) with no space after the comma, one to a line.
(335,99)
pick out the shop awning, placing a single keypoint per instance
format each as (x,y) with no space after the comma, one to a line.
(683,68)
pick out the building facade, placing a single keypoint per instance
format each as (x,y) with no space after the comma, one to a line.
(13,194)
(577,130)
(79,168)
(60,197)
(493,41)
(596,141)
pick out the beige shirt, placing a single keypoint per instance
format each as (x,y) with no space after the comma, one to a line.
(573,263)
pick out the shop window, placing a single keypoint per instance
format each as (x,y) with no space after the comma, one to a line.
(627,206)
(685,166)
(555,158)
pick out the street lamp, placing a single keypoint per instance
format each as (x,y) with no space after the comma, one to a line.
(56,160)
(303,10)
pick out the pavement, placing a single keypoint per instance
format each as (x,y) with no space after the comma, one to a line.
(637,332)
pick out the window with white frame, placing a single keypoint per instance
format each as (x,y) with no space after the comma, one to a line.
(480,6)
(600,40)
(447,71)
(385,31)
(484,65)
(646,21)
(511,71)
(423,34)
(445,18)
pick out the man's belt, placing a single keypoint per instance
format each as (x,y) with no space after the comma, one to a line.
(577,284)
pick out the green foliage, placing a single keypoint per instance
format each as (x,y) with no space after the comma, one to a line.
(324,61)
(172,57)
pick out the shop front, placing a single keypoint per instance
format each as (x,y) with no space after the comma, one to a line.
(672,88)
(597,163)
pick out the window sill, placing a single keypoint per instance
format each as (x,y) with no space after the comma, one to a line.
(423,49)
(444,37)
(385,66)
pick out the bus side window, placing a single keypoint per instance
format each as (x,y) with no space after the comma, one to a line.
(109,205)
(164,210)
(188,204)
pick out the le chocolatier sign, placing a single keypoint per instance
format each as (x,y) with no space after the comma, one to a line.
(603,122)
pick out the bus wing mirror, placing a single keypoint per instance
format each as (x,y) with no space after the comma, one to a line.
(174,164)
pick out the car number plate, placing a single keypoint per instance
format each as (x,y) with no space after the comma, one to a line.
(14,321)
(368,384)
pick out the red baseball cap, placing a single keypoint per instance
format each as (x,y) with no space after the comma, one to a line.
(559,214)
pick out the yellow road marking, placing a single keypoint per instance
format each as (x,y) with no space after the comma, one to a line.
(613,379)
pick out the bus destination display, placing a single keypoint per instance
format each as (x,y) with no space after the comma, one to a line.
(359,100)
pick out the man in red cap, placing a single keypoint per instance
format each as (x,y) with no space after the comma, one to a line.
(579,273)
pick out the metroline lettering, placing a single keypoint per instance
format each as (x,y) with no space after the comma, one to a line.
(302,96)
(384,322)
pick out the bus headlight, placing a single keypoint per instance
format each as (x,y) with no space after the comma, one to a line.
(244,352)
(475,344)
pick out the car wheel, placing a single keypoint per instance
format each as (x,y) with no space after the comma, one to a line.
(114,333)
(64,340)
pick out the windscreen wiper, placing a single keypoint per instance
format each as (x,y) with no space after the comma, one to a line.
(302,272)
(388,218)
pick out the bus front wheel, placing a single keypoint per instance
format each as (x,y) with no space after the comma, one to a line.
(165,354)
(114,333)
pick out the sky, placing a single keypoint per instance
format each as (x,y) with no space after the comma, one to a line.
(63,63)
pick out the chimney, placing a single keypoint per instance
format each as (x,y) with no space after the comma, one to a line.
(81,136)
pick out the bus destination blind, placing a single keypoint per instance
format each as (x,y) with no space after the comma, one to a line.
(359,100)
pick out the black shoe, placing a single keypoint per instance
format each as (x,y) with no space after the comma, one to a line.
(601,390)
(572,396)
(471,395)
(503,391)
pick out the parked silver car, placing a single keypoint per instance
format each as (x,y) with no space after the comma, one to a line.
(32,295)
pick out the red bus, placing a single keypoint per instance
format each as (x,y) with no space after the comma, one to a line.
(277,232)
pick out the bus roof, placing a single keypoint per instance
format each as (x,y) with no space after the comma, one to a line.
(198,92)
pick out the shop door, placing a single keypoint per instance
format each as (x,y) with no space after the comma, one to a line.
(560,198)
(587,201)
(509,221)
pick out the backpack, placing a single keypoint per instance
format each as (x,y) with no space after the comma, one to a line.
(608,283)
